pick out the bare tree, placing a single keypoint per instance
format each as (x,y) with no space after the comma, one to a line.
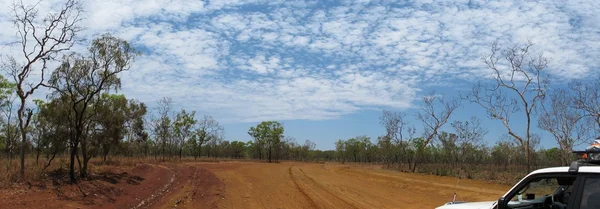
(469,131)
(208,128)
(396,129)
(161,126)
(41,39)
(587,99)
(521,76)
(469,134)
(564,122)
(394,124)
(434,113)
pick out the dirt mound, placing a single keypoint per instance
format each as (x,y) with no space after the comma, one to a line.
(111,188)
(196,187)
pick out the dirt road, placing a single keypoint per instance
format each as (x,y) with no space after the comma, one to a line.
(301,185)
(239,185)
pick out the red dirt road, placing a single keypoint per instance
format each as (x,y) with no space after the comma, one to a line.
(300,185)
(234,185)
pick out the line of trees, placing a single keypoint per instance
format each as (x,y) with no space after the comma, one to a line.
(518,92)
(83,117)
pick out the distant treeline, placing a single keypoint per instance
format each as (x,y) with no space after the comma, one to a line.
(83,117)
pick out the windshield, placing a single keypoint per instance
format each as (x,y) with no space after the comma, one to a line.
(543,193)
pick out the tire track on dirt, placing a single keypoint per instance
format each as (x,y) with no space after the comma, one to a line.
(164,190)
(299,188)
(325,197)
(327,191)
(409,179)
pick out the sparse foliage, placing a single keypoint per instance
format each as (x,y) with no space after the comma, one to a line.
(519,85)
(81,79)
(435,111)
(41,39)
(564,121)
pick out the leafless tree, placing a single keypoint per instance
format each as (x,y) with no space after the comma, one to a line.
(519,73)
(468,134)
(564,122)
(398,133)
(435,111)
(208,129)
(161,124)
(587,99)
(41,39)
(469,131)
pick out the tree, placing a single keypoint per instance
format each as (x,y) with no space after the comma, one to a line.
(587,99)
(307,148)
(183,127)
(53,117)
(564,122)
(269,134)
(396,131)
(237,149)
(135,125)
(340,149)
(110,117)
(207,128)
(449,148)
(469,131)
(468,137)
(82,79)
(7,98)
(433,119)
(521,75)
(40,132)
(162,125)
(40,41)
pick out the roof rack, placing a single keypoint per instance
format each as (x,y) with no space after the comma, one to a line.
(588,157)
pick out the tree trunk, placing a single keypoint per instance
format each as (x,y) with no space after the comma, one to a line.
(23,133)
(72,164)
(415,161)
(84,172)
(50,159)
(269,154)
(37,156)
(163,150)
(200,150)
(528,158)
(84,155)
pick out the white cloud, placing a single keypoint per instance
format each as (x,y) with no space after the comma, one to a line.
(252,60)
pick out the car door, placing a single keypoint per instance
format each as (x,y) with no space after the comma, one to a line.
(530,193)
(588,193)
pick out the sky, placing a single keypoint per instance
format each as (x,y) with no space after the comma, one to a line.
(326,69)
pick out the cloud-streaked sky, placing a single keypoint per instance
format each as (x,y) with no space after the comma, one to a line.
(331,63)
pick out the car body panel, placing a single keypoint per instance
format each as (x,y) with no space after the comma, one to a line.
(491,204)
(470,205)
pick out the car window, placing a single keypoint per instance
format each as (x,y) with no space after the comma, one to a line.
(543,193)
(590,197)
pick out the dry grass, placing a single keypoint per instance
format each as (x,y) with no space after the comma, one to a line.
(10,169)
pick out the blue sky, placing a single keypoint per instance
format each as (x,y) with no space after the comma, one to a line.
(327,68)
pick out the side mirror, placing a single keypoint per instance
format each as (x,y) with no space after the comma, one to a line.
(502,204)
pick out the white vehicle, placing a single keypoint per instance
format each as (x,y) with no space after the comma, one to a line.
(573,187)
